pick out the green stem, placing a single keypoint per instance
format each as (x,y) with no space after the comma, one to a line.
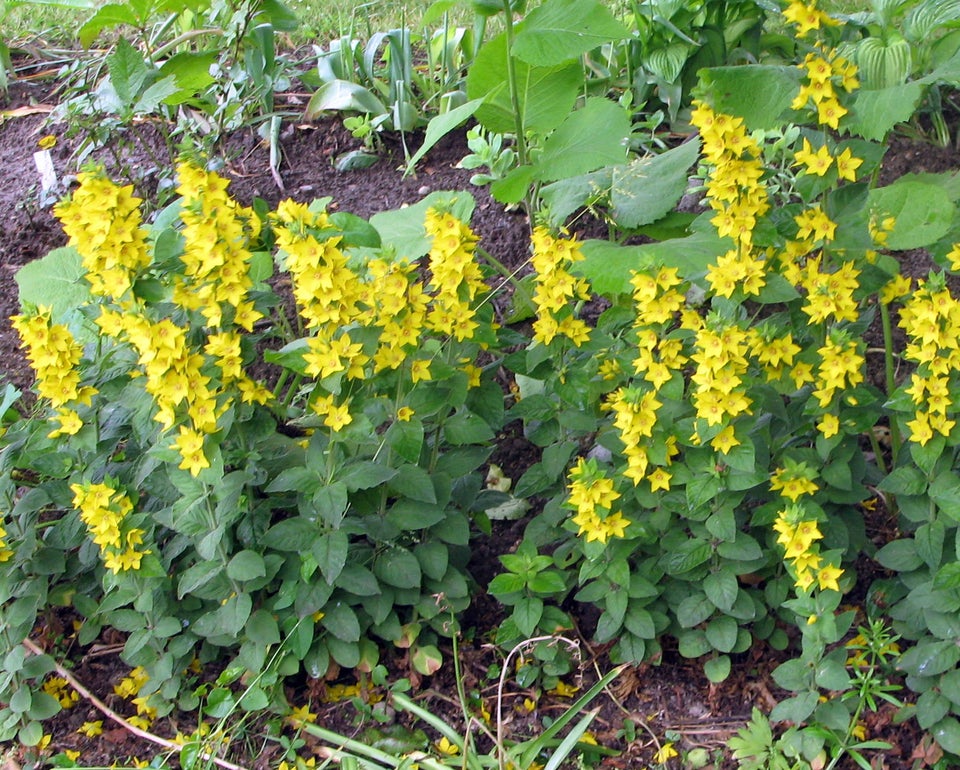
(514,87)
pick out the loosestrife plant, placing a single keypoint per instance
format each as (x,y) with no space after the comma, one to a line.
(223,476)
(725,415)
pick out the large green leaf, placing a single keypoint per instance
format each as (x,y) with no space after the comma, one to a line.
(565,196)
(608,267)
(545,95)
(129,72)
(877,111)
(649,188)
(923,213)
(588,139)
(55,281)
(402,229)
(564,29)
(759,94)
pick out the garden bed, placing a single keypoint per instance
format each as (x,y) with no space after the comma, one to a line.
(672,697)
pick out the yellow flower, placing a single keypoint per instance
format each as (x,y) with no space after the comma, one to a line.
(827,578)
(300,716)
(818,162)
(725,440)
(665,753)
(829,425)
(47,142)
(190,445)
(564,690)
(404,413)
(420,370)
(444,746)
(847,165)
(793,482)
(659,479)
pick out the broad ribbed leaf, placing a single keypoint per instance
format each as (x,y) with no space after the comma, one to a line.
(564,29)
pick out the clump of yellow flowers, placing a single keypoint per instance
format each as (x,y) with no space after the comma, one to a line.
(54,356)
(105,509)
(592,495)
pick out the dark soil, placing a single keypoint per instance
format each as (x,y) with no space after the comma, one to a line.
(673,696)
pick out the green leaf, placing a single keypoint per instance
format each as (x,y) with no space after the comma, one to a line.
(365,474)
(688,555)
(546,95)
(565,196)
(607,266)
(110,15)
(693,610)
(398,567)
(947,733)
(648,188)
(466,428)
(330,552)
(527,613)
(191,73)
(160,92)
(905,480)
(929,658)
(413,482)
(262,628)
(693,643)
(434,559)
(931,708)
(439,126)
(639,622)
(426,659)
(506,583)
(246,565)
(899,555)
(401,230)
(343,96)
(722,633)
(923,213)
(721,588)
(795,709)
(759,94)
(793,675)
(564,29)
(21,700)
(55,281)
(875,112)
(513,187)
(358,580)
(128,72)
(341,621)
(30,734)
(406,439)
(409,515)
(831,674)
(717,669)
(291,535)
(589,138)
